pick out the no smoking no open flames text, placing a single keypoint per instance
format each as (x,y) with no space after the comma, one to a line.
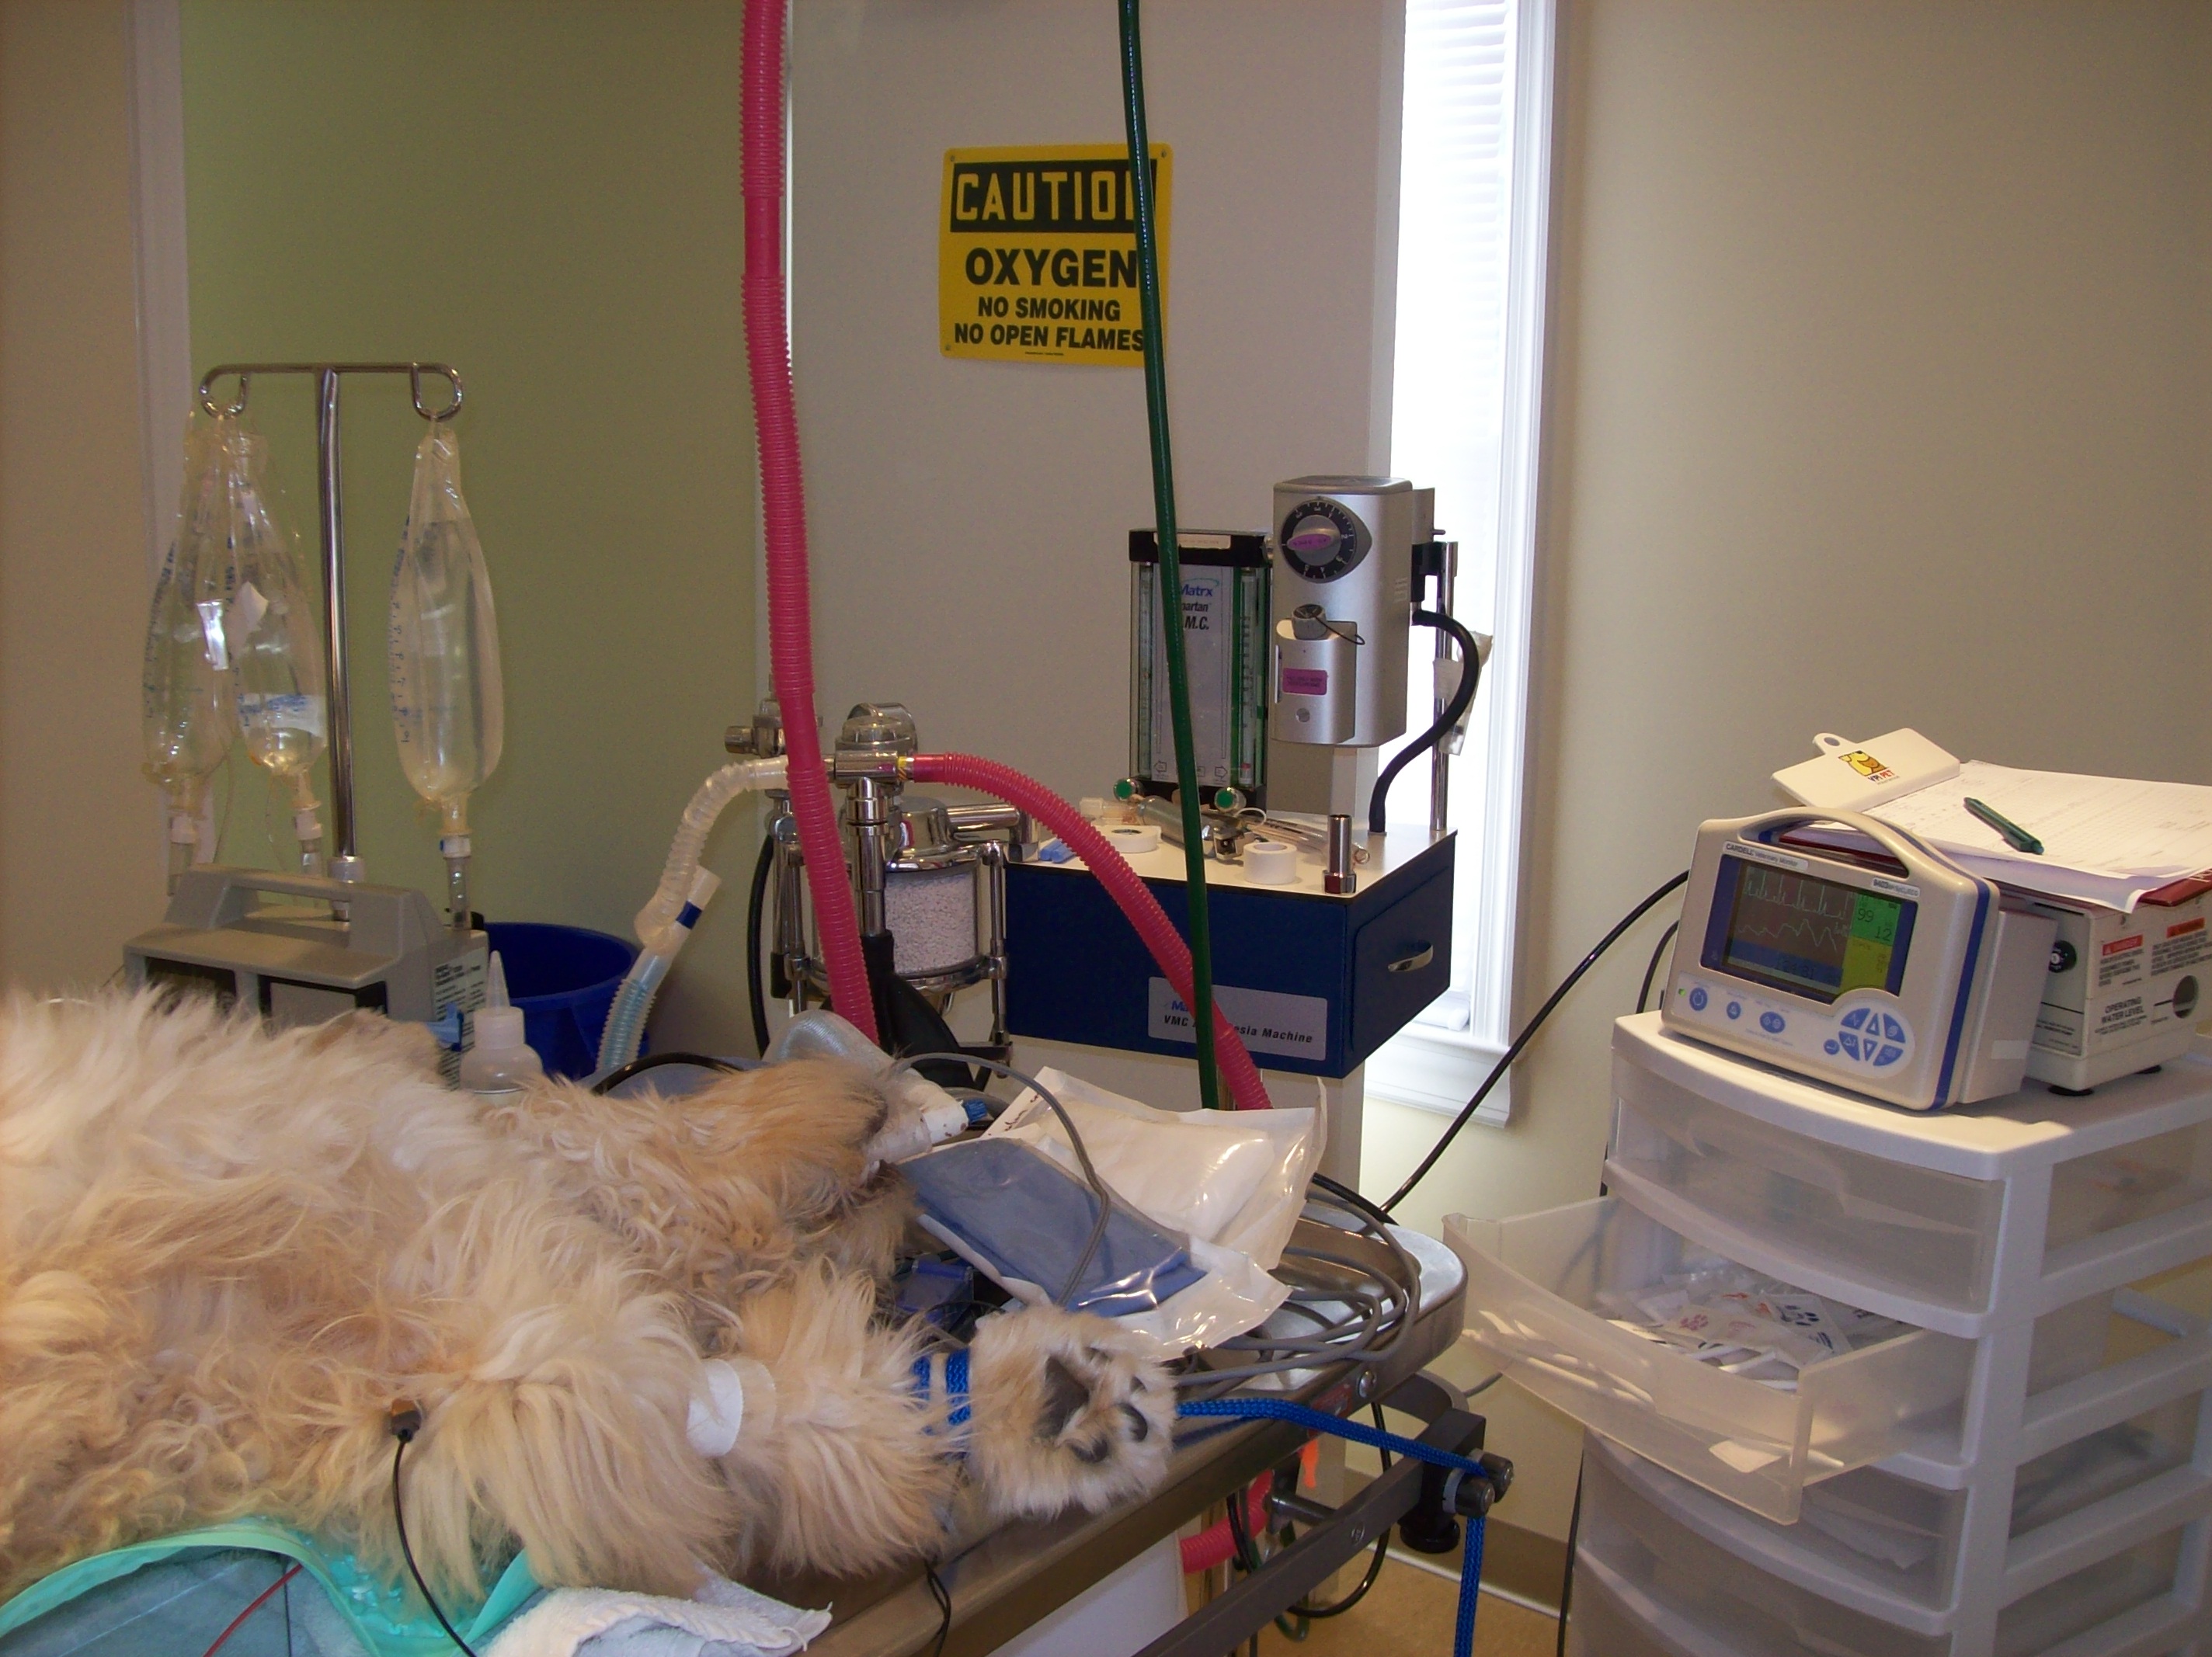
(1024,234)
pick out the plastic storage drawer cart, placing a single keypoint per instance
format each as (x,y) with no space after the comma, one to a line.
(2025,1468)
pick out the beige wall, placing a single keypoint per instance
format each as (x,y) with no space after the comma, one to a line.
(548,197)
(970,520)
(80,835)
(1880,397)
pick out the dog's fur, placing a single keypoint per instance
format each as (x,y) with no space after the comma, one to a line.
(224,1254)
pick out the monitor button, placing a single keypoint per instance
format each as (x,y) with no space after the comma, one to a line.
(1889,1054)
(1772,1022)
(1697,999)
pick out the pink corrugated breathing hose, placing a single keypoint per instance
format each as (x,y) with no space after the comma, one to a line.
(783,507)
(1216,1544)
(1122,885)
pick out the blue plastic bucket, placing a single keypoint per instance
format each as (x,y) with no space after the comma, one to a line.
(564,978)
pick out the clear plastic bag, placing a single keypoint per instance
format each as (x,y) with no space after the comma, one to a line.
(1236,1179)
(1014,1214)
(272,630)
(189,713)
(448,698)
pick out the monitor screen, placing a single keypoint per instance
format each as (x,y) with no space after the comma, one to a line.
(1805,934)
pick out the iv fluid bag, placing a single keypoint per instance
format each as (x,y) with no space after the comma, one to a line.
(188,715)
(270,626)
(447,702)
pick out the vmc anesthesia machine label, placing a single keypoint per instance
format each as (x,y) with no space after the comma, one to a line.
(1036,253)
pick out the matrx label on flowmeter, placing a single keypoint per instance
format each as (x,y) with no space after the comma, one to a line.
(1036,256)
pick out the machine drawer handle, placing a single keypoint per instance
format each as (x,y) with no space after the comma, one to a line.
(1414,963)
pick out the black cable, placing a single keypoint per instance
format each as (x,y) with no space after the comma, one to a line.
(1316,1613)
(1527,1031)
(1651,971)
(405,1435)
(943,1595)
(756,919)
(1470,675)
(1567,1577)
(615,1078)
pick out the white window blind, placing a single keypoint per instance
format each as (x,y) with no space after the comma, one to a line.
(1470,260)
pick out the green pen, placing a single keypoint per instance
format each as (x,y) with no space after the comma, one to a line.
(2014,836)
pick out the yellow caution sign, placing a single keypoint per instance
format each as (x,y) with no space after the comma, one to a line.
(1037,253)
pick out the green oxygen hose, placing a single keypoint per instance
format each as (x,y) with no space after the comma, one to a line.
(1156,419)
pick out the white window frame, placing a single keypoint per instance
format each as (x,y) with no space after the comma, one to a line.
(1427,1065)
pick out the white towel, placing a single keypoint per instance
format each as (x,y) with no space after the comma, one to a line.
(724,1619)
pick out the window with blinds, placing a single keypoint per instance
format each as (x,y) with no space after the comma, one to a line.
(1473,178)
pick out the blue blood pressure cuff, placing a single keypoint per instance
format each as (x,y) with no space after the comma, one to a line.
(1021,1218)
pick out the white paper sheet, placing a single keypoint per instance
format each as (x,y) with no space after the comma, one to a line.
(2106,839)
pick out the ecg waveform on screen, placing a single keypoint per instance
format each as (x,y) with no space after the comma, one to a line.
(1808,917)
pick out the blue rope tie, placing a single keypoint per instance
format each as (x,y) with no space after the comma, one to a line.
(1470,1589)
(956,1385)
(1318,1421)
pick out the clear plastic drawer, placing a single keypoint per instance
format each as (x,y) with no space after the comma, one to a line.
(2108,1190)
(1534,1296)
(1885,1544)
(1920,1234)
(1682,1593)
(1731,1605)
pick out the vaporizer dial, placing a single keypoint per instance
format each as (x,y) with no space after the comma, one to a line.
(1322,540)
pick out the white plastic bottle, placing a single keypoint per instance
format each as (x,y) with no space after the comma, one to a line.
(501,1061)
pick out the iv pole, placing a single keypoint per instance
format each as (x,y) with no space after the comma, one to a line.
(346,862)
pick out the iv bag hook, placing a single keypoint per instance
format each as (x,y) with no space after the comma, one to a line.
(346,862)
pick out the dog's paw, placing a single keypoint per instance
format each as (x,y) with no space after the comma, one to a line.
(1068,1411)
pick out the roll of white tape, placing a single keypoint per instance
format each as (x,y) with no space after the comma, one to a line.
(1271,863)
(1131,838)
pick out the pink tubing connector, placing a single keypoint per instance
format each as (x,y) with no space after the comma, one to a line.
(783,509)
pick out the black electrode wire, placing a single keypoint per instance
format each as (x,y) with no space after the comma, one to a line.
(756,920)
(943,1595)
(1144,212)
(1470,677)
(1658,954)
(1528,1032)
(1316,1613)
(1567,1577)
(1104,1191)
(400,1518)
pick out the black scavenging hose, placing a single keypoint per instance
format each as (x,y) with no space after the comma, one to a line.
(1470,675)
(756,914)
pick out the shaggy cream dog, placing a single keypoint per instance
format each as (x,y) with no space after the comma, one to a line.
(224,1254)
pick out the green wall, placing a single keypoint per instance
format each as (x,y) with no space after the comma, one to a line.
(547,195)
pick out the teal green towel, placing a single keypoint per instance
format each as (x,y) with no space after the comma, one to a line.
(376,1613)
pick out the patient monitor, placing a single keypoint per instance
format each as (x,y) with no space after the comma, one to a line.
(1834,945)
